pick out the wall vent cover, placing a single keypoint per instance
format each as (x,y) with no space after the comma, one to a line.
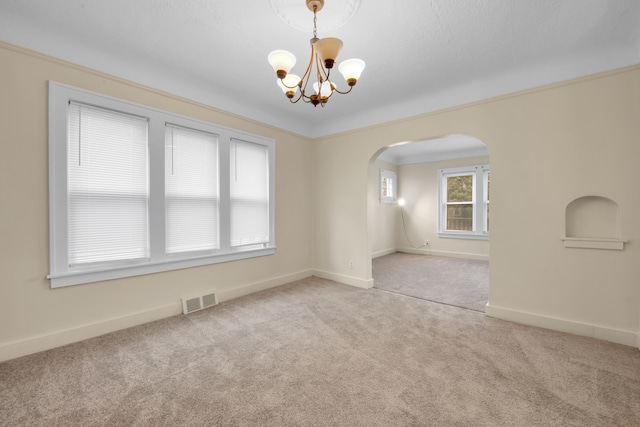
(189,305)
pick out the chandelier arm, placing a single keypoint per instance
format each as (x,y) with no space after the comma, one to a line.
(345,92)
(305,77)
(323,73)
(305,97)
(287,86)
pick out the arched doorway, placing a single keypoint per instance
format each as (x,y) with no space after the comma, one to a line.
(434,246)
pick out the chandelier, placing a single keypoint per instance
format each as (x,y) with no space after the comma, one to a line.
(323,55)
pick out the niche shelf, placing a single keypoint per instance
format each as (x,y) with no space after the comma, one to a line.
(593,222)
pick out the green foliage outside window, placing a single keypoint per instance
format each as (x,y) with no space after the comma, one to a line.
(460,188)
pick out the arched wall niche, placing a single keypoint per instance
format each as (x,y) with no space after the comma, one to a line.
(593,222)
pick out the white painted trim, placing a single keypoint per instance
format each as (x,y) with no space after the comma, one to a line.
(383,252)
(48,341)
(619,336)
(342,278)
(82,277)
(464,255)
(252,288)
(23,347)
(462,235)
(593,243)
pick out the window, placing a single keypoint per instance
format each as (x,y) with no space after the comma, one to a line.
(191,190)
(108,187)
(388,186)
(134,190)
(464,202)
(249,194)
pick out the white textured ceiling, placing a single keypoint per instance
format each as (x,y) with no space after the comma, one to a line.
(421,55)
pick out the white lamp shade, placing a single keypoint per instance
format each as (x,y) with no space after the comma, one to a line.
(328,48)
(282,60)
(351,68)
(325,91)
(291,80)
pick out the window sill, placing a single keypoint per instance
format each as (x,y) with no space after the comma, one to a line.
(469,236)
(593,243)
(81,277)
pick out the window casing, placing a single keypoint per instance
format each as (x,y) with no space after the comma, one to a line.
(164,181)
(388,186)
(463,196)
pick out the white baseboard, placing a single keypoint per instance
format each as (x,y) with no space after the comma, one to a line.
(261,286)
(384,252)
(464,255)
(342,278)
(39,343)
(631,338)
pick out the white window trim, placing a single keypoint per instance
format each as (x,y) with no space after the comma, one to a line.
(60,274)
(389,175)
(479,173)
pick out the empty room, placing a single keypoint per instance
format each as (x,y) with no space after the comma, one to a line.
(205,221)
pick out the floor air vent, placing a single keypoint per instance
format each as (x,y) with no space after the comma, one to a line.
(189,305)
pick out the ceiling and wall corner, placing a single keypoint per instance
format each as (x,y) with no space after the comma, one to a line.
(421,56)
(433,150)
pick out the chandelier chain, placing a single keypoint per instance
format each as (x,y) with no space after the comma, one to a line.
(315,21)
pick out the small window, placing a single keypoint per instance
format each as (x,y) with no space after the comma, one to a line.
(464,202)
(388,186)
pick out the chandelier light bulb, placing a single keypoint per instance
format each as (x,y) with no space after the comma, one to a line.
(282,62)
(351,70)
(325,91)
(289,85)
(328,48)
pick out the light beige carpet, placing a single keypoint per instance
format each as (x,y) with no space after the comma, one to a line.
(453,281)
(317,353)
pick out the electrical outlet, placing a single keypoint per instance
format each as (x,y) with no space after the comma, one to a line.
(351,264)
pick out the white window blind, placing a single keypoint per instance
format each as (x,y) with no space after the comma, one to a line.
(108,186)
(249,193)
(191,190)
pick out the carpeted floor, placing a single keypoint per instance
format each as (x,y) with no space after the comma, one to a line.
(317,353)
(453,281)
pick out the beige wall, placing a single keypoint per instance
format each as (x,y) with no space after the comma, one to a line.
(419,187)
(547,147)
(33,316)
